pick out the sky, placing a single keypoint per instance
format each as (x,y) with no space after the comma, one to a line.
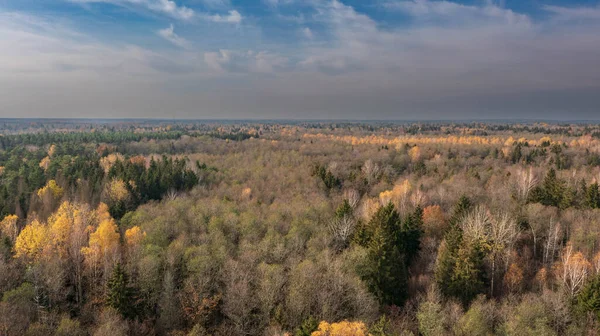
(300,59)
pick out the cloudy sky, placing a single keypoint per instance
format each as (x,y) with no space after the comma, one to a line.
(300,59)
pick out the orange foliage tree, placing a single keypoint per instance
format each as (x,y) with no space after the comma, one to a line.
(344,328)
(513,278)
(434,222)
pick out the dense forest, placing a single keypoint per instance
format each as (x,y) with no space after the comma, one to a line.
(299,228)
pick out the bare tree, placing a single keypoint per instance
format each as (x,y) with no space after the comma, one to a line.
(417,198)
(371,171)
(352,196)
(574,270)
(342,228)
(476,224)
(526,181)
(171,195)
(552,242)
(541,220)
(503,233)
(499,231)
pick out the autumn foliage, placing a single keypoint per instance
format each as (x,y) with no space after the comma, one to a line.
(344,328)
(299,228)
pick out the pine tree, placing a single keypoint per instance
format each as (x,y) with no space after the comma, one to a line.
(592,196)
(345,209)
(387,275)
(469,278)
(552,192)
(455,260)
(588,300)
(462,207)
(412,230)
(446,260)
(516,154)
(120,295)
(308,326)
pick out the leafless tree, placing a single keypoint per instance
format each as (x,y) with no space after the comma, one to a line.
(171,195)
(575,269)
(503,233)
(526,181)
(499,231)
(371,171)
(552,242)
(352,196)
(342,228)
(476,224)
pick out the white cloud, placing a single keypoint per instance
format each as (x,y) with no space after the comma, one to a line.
(229,61)
(276,3)
(44,47)
(445,55)
(574,13)
(447,12)
(451,49)
(307,33)
(168,7)
(233,17)
(216,3)
(169,35)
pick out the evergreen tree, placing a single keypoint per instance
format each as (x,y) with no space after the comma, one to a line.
(468,278)
(552,192)
(592,196)
(121,295)
(516,154)
(461,208)
(387,274)
(345,209)
(446,260)
(308,326)
(412,232)
(588,300)
(460,264)
(327,177)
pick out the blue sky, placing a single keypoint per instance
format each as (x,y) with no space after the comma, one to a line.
(333,59)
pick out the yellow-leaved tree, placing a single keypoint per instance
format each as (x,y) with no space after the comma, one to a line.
(344,328)
(51,150)
(60,226)
(415,153)
(134,236)
(399,195)
(9,228)
(68,230)
(32,241)
(50,195)
(51,188)
(44,163)
(102,251)
(116,190)
(108,161)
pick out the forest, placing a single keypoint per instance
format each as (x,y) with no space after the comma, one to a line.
(299,228)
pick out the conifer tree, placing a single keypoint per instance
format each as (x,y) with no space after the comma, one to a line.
(588,300)
(552,192)
(412,230)
(592,196)
(387,275)
(120,294)
(460,264)
(468,277)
